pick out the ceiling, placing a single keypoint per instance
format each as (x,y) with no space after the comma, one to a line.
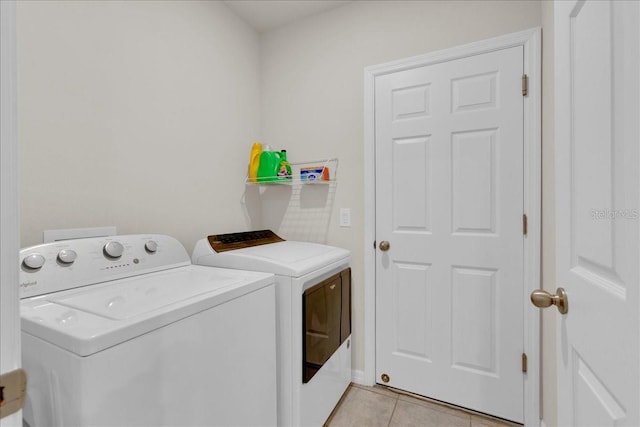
(267,15)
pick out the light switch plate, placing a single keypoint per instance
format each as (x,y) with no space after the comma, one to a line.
(345,217)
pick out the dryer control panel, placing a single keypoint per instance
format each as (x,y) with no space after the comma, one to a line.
(69,264)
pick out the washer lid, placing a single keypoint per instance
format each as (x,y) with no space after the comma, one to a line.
(93,318)
(288,258)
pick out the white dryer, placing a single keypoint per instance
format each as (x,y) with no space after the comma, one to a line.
(313,302)
(124,331)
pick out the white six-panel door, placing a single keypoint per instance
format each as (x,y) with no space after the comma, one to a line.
(597,62)
(449,200)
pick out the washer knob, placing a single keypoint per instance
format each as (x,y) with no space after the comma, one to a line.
(151,246)
(33,261)
(113,249)
(67,256)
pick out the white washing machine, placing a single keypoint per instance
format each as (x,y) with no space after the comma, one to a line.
(313,304)
(124,331)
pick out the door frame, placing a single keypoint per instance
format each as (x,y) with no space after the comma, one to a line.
(531,41)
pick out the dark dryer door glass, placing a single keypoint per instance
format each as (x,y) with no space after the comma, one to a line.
(326,321)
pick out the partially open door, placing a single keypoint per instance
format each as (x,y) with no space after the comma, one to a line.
(597,62)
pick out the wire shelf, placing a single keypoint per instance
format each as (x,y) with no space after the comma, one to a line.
(320,172)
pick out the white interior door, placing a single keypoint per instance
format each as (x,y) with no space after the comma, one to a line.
(597,132)
(449,201)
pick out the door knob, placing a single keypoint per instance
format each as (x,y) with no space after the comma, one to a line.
(384,246)
(543,299)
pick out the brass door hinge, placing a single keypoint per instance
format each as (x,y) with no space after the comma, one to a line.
(524,363)
(524,224)
(525,85)
(13,388)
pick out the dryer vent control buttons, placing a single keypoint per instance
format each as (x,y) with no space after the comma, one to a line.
(151,246)
(33,261)
(67,256)
(113,249)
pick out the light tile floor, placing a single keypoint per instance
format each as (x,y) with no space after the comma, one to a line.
(384,407)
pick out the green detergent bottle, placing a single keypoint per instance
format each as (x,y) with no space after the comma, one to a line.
(284,169)
(269,165)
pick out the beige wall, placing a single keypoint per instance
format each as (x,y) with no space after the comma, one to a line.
(141,114)
(135,114)
(312,85)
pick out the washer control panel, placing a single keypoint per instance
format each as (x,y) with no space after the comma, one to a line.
(68,264)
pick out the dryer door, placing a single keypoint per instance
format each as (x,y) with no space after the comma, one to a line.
(326,321)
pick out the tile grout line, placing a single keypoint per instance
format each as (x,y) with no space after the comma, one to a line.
(437,405)
(394,411)
(441,406)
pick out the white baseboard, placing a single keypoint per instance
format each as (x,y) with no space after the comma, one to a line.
(357,377)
